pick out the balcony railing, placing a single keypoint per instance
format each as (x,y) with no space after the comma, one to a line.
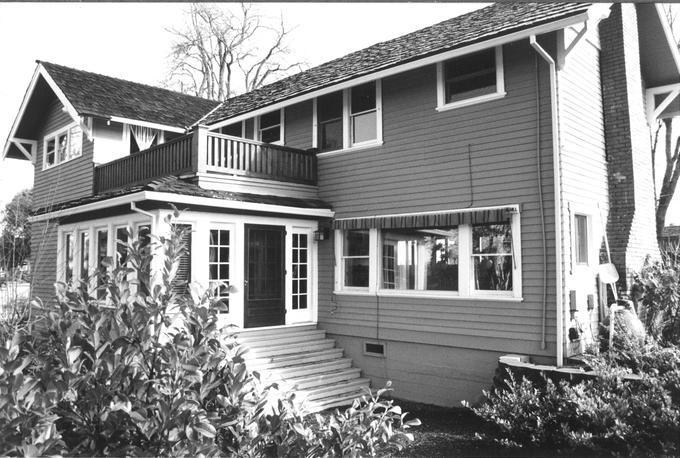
(207,152)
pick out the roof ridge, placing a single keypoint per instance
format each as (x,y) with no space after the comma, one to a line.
(42,62)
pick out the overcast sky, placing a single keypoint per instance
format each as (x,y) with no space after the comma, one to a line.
(130,41)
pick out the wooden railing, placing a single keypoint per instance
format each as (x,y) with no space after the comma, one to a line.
(171,158)
(240,156)
(206,152)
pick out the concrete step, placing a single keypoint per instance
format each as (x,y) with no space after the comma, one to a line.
(281,339)
(289,349)
(273,331)
(334,401)
(314,368)
(312,381)
(275,362)
(338,389)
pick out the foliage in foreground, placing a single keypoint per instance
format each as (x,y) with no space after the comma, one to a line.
(149,373)
(631,408)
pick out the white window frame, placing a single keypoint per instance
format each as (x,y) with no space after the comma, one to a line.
(347,144)
(243,128)
(466,288)
(500,85)
(53,136)
(575,239)
(230,262)
(258,130)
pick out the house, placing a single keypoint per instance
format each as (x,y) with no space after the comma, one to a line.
(429,203)
(670,237)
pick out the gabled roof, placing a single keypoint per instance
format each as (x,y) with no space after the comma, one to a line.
(481,25)
(93,94)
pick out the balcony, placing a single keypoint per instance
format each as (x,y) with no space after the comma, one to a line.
(208,153)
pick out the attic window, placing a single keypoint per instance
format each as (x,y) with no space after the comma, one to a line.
(62,146)
(469,79)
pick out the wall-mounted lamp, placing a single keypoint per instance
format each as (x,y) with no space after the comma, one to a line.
(321,234)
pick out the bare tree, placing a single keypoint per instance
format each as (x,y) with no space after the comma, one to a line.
(224,51)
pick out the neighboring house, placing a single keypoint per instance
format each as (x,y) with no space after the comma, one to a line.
(431,202)
(670,237)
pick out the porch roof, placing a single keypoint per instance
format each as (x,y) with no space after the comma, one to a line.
(172,185)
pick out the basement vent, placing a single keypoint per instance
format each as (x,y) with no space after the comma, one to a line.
(374,349)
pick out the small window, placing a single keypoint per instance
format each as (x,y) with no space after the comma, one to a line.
(471,78)
(235,130)
(363,113)
(218,265)
(270,127)
(68,258)
(50,152)
(492,257)
(300,271)
(355,258)
(420,259)
(84,255)
(581,239)
(62,146)
(329,108)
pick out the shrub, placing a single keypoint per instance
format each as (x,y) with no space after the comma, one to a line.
(149,373)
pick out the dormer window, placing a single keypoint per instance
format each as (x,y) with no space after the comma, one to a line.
(62,146)
(270,127)
(469,79)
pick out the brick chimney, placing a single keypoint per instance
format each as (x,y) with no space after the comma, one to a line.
(631,224)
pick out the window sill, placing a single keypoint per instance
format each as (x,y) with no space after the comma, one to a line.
(421,295)
(472,101)
(360,147)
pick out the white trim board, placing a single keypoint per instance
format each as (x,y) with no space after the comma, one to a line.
(516,36)
(185,199)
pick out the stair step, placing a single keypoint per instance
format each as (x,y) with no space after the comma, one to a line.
(338,389)
(275,362)
(289,349)
(339,401)
(314,368)
(273,331)
(266,341)
(313,381)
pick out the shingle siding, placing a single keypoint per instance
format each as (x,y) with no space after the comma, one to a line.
(67,181)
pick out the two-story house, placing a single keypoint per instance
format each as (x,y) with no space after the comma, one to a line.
(425,204)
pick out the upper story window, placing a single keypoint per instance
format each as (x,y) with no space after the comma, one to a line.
(62,146)
(470,79)
(143,138)
(349,118)
(235,130)
(270,128)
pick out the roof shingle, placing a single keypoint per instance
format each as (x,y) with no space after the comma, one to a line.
(495,20)
(105,96)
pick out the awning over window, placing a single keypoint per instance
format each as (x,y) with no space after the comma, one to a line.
(433,219)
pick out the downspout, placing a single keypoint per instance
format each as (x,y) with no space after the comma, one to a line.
(557,191)
(134,208)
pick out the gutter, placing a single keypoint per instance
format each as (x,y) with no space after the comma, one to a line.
(557,170)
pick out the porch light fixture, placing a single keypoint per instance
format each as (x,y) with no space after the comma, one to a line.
(321,234)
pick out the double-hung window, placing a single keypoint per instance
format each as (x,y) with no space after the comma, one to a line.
(355,258)
(62,146)
(469,79)
(349,118)
(270,128)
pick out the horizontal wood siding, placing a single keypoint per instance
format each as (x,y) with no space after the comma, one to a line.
(584,165)
(67,181)
(44,260)
(298,125)
(423,165)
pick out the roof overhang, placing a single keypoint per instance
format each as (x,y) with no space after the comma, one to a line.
(141,196)
(594,12)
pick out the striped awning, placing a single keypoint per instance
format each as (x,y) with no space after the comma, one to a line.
(422,220)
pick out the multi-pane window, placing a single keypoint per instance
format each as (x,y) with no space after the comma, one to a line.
(102,249)
(329,113)
(68,257)
(121,245)
(62,146)
(270,127)
(470,76)
(363,113)
(492,257)
(218,264)
(84,255)
(581,239)
(355,258)
(300,271)
(420,259)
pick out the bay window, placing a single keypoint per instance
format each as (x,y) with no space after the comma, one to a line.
(348,118)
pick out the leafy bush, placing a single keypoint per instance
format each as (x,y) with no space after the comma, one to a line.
(149,373)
